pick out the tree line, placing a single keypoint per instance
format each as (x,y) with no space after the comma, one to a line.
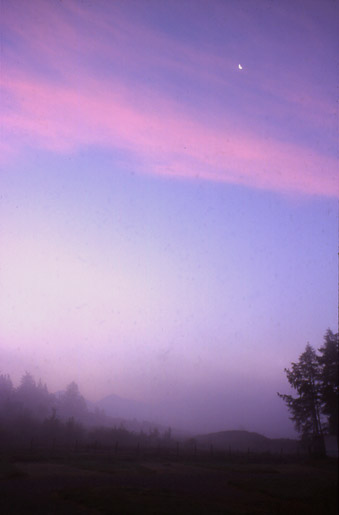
(32,416)
(314,377)
(29,411)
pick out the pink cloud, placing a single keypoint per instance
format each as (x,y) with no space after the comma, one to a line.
(166,139)
(63,36)
(163,135)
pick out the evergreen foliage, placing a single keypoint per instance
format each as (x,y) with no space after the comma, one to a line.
(31,416)
(315,379)
(328,361)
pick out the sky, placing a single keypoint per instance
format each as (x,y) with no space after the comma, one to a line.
(168,218)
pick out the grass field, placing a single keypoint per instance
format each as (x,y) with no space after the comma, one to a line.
(100,482)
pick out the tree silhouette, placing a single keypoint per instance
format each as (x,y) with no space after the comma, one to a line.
(72,403)
(305,377)
(6,388)
(6,396)
(329,363)
(34,398)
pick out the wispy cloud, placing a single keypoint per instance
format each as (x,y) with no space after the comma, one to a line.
(78,102)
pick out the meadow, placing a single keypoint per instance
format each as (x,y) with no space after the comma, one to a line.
(165,481)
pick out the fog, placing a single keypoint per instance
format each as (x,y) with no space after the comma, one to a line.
(242,403)
(168,219)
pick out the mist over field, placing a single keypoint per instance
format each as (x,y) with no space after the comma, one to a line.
(168,207)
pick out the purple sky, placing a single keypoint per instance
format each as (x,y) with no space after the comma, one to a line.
(169,222)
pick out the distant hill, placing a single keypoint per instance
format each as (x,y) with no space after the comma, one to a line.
(134,415)
(244,440)
(138,416)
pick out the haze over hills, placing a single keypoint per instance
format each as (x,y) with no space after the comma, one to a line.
(207,414)
(138,415)
(135,415)
(246,441)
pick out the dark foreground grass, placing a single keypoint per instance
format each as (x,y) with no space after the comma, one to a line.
(94,482)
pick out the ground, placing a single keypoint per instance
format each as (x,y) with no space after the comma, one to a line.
(101,482)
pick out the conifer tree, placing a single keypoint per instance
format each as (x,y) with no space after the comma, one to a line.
(306,408)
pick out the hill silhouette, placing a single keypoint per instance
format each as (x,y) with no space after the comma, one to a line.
(245,440)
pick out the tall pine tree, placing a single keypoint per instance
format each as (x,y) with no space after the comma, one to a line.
(305,377)
(328,361)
